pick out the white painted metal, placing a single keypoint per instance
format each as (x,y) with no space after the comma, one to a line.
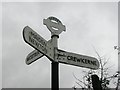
(36,41)
(53,23)
(33,56)
(50,48)
(76,59)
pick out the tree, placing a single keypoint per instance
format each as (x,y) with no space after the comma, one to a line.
(117,48)
(102,72)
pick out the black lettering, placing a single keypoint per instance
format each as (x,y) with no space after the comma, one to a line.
(35,54)
(31,33)
(69,58)
(74,59)
(88,62)
(38,38)
(29,57)
(37,44)
(31,40)
(78,60)
(93,62)
(83,61)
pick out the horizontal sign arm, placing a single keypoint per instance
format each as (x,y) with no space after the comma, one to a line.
(76,59)
(37,42)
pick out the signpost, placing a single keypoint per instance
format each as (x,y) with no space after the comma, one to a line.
(37,42)
(34,39)
(76,59)
(33,56)
(51,51)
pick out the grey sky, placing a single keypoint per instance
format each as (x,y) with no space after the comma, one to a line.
(87,25)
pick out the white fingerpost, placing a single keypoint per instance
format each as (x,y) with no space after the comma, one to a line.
(53,23)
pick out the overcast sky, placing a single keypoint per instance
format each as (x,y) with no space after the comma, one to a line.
(87,24)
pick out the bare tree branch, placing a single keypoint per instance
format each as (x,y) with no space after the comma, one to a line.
(102,71)
(79,84)
(100,62)
(106,62)
(79,80)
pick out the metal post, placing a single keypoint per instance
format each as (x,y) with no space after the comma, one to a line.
(55,75)
(54,37)
(55,67)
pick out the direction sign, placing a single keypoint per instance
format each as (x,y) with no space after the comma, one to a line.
(39,43)
(76,59)
(33,56)
(51,51)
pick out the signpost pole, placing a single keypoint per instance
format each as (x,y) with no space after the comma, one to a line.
(55,67)
(51,51)
(55,28)
(55,75)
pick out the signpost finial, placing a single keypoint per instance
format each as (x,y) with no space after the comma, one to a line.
(54,25)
